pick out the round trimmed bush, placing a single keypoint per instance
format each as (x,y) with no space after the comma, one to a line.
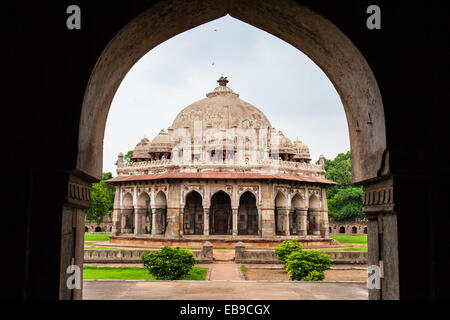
(286,248)
(169,263)
(307,265)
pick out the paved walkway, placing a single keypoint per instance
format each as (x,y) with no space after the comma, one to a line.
(224,271)
(222,290)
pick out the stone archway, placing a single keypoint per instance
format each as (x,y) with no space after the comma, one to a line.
(159,214)
(292,22)
(220,214)
(193,214)
(247,214)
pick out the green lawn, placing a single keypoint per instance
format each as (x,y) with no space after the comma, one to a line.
(133,273)
(361,248)
(346,238)
(96,237)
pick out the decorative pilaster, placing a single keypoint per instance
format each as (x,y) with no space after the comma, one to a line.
(138,213)
(206,221)
(315,217)
(378,202)
(235,221)
(301,218)
(283,221)
(154,224)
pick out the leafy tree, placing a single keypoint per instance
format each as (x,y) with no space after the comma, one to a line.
(169,263)
(127,157)
(102,199)
(346,204)
(339,170)
(286,248)
(307,265)
(344,199)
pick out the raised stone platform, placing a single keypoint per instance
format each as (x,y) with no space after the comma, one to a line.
(225,241)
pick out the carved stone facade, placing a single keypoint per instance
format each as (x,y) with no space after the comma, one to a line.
(221,170)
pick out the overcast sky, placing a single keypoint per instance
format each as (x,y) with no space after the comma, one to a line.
(291,90)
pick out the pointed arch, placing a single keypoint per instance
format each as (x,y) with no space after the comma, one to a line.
(193,213)
(220,213)
(247,214)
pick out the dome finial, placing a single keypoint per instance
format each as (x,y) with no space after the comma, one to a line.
(223,81)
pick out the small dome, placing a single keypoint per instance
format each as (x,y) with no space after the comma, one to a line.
(162,138)
(281,142)
(141,150)
(301,150)
(162,142)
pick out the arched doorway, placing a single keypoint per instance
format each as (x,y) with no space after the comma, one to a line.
(98,229)
(127,213)
(247,214)
(220,212)
(342,230)
(298,215)
(281,214)
(354,230)
(142,214)
(159,216)
(193,214)
(306,30)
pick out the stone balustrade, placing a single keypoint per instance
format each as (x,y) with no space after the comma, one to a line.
(204,255)
(243,255)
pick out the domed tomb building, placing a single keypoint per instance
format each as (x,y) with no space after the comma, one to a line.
(220,172)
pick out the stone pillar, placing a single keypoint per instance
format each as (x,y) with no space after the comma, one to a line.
(116,216)
(181,222)
(378,202)
(302,221)
(138,213)
(173,222)
(268,222)
(324,225)
(315,217)
(206,221)
(154,227)
(235,221)
(283,220)
(259,222)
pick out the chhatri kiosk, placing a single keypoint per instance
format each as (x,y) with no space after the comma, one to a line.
(220,173)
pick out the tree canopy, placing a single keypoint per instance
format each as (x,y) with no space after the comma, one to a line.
(102,199)
(344,199)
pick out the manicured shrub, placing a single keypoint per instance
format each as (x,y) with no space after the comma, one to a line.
(286,248)
(169,263)
(308,265)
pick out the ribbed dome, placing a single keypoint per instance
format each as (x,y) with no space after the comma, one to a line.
(162,138)
(222,109)
(142,148)
(301,150)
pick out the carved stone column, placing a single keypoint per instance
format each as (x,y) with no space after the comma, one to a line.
(154,224)
(259,222)
(206,221)
(116,216)
(283,220)
(379,206)
(138,213)
(324,225)
(235,221)
(301,218)
(315,217)
(268,222)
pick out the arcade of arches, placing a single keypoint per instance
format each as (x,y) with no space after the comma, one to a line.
(261,209)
